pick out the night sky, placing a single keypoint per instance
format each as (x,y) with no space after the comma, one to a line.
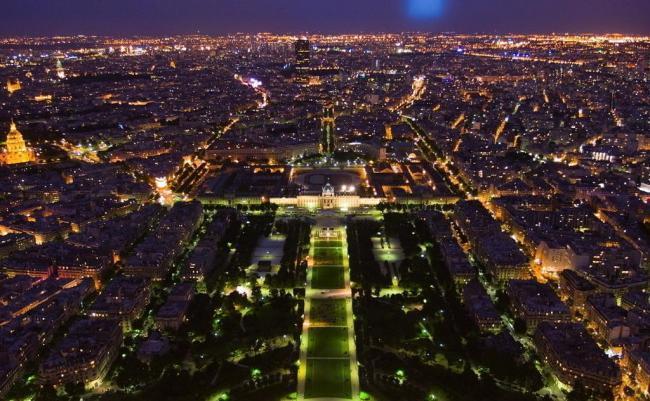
(156,17)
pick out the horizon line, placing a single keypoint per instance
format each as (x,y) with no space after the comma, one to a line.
(316,33)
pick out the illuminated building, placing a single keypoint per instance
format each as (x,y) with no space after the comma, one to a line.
(534,303)
(277,152)
(327,199)
(644,179)
(573,355)
(60,71)
(84,355)
(122,300)
(13,85)
(161,183)
(164,191)
(480,308)
(574,289)
(16,151)
(643,65)
(607,318)
(302,52)
(173,313)
(389,132)
(637,362)
(43,98)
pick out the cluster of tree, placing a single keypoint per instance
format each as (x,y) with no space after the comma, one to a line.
(279,314)
(388,207)
(425,379)
(261,207)
(174,383)
(272,359)
(448,287)
(292,269)
(402,227)
(252,228)
(385,322)
(385,207)
(507,364)
(364,268)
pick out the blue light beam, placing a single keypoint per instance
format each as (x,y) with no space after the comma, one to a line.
(425,9)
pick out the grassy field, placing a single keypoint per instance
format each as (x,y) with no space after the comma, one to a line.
(327,277)
(328,342)
(328,256)
(328,378)
(330,312)
(328,373)
(327,243)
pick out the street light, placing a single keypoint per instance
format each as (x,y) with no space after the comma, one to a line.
(256,374)
(401,376)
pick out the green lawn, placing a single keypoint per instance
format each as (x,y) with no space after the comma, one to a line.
(328,312)
(331,243)
(327,342)
(328,256)
(328,378)
(327,277)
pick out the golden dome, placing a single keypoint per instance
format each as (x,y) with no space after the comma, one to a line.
(14,133)
(16,149)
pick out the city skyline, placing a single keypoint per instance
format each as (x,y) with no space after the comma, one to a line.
(314,215)
(155,17)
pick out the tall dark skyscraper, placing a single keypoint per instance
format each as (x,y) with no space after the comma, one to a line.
(302,52)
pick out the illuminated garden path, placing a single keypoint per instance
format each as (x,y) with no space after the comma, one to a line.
(328,358)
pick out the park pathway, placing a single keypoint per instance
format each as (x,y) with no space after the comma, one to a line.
(328,360)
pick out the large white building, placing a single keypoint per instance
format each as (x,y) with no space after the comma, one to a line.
(327,199)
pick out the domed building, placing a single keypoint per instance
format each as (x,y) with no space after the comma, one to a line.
(328,190)
(16,151)
(13,85)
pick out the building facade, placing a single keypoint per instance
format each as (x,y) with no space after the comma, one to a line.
(16,150)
